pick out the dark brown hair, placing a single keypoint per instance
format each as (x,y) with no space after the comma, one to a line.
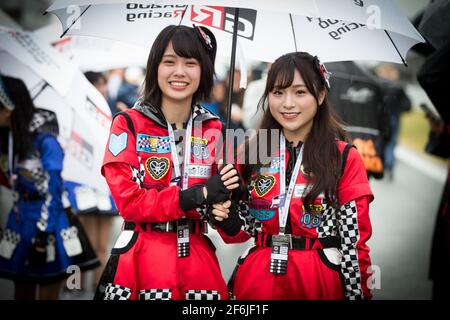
(186,43)
(21,115)
(321,157)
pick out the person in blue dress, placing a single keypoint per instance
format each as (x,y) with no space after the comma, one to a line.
(38,243)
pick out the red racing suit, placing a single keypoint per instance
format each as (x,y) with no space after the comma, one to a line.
(138,168)
(332,257)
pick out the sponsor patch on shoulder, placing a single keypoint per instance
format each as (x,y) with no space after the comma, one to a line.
(117,143)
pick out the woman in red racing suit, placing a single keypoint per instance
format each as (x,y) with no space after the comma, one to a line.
(308,207)
(160,164)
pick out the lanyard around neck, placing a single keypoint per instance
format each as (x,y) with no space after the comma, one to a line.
(186,150)
(283,210)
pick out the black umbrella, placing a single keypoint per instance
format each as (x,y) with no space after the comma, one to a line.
(435,23)
(357,98)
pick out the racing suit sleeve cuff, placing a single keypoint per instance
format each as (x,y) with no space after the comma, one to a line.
(192,198)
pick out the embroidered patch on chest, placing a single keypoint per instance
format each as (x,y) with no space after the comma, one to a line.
(199,148)
(263,184)
(157,167)
(273,168)
(152,144)
(311,216)
(117,143)
(262,215)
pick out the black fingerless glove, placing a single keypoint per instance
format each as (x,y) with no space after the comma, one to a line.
(192,198)
(232,225)
(217,191)
(38,251)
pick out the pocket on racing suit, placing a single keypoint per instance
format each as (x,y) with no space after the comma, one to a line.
(240,261)
(331,257)
(126,240)
(106,289)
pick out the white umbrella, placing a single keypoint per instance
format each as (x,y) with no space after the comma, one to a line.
(94,54)
(83,113)
(53,68)
(263,35)
(276,28)
(382,14)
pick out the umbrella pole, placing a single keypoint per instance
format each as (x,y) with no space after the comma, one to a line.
(393,43)
(40,91)
(231,80)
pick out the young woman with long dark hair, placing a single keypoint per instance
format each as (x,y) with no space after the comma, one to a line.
(307,208)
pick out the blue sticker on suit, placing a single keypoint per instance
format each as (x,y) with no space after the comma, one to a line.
(152,144)
(118,143)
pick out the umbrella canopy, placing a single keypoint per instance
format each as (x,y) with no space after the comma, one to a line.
(83,114)
(257,36)
(94,54)
(53,68)
(381,14)
(332,30)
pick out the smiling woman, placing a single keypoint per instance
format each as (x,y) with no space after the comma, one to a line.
(163,253)
(308,210)
(294,108)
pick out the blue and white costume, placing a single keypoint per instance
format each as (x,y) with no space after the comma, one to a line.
(39,210)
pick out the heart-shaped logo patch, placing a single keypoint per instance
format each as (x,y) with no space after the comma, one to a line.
(263,184)
(157,167)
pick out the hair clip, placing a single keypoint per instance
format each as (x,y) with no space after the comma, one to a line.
(204,38)
(323,72)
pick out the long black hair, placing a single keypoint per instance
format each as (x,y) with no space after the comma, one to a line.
(21,115)
(187,42)
(321,157)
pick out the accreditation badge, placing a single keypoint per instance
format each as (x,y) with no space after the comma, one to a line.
(281,243)
(183,242)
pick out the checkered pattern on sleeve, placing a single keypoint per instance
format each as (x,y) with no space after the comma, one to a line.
(248,221)
(329,225)
(40,178)
(202,295)
(155,294)
(349,234)
(116,292)
(138,175)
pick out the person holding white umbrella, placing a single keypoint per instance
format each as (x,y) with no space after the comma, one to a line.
(163,252)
